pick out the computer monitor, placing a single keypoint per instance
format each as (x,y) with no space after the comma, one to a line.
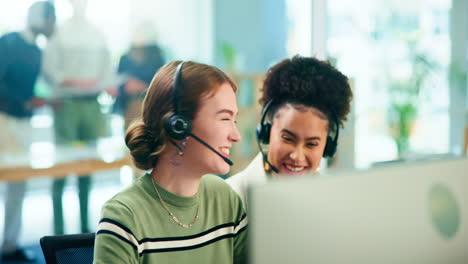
(409,213)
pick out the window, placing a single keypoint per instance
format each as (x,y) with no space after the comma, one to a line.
(382,45)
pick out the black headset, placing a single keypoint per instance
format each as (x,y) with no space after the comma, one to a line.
(264,128)
(177,125)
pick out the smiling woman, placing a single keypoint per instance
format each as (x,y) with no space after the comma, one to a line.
(174,214)
(305,102)
(298,137)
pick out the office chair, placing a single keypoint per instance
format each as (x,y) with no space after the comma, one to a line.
(76,248)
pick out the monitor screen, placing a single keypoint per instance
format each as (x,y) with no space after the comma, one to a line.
(404,213)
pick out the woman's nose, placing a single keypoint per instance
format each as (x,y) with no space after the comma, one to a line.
(235,135)
(297,154)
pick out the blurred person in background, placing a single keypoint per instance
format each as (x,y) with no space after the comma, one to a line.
(139,65)
(76,63)
(20,65)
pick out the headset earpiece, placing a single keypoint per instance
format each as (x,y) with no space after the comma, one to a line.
(263,132)
(178,127)
(264,128)
(332,143)
(330,148)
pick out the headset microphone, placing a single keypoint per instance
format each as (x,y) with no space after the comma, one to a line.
(179,126)
(265,159)
(228,161)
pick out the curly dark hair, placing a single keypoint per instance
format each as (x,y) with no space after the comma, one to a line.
(308,81)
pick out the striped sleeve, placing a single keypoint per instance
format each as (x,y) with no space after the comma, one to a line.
(240,240)
(115,242)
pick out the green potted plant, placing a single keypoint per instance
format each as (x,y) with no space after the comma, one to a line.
(405,97)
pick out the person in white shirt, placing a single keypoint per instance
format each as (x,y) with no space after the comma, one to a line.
(305,101)
(77,64)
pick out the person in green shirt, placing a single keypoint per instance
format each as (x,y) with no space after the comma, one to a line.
(175,214)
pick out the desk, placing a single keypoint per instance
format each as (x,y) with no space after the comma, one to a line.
(46,159)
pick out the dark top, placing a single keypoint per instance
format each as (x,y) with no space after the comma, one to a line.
(143,70)
(20,63)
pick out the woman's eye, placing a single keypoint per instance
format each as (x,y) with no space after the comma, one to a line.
(312,144)
(287,139)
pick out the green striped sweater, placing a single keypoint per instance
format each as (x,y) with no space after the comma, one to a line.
(135,227)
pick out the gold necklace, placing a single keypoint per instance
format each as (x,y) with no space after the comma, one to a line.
(172,215)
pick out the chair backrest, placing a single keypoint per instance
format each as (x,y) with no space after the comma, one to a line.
(76,248)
